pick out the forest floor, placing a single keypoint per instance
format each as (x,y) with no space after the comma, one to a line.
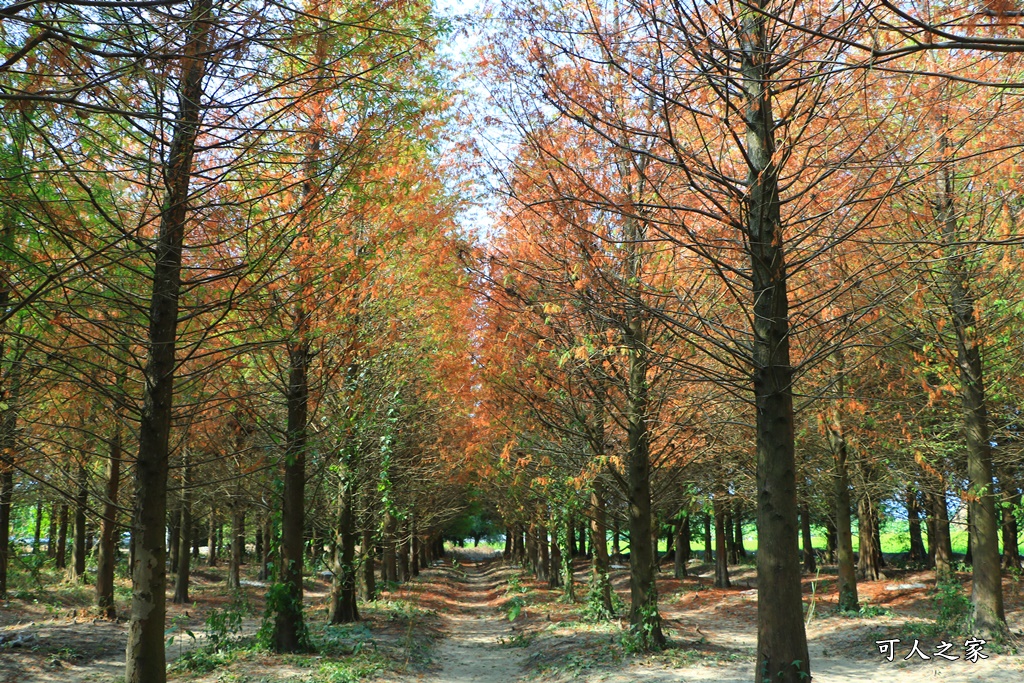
(452,625)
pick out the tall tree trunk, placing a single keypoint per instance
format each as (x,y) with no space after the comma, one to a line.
(181,581)
(237,541)
(62,538)
(867,558)
(403,554)
(174,526)
(369,571)
(108,528)
(389,568)
(38,535)
(10,388)
(987,586)
(51,536)
(266,560)
(76,572)
(781,639)
(917,553)
(289,629)
(344,609)
(6,496)
(543,558)
(721,538)
(741,552)
(599,543)
(847,569)
(1011,532)
(211,542)
(682,555)
(810,565)
(555,578)
(145,660)
(940,542)
(709,552)
(831,541)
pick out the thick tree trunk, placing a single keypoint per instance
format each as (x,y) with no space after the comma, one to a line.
(599,543)
(145,660)
(986,587)
(831,541)
(289,629)
(181,581)
(108,527)
(847,569)
(389,567)
(369,571)
(868,567)
(781,639)
(721,552)
(555,577)
(939,540)
(810,565)
(344,609)
(76,572)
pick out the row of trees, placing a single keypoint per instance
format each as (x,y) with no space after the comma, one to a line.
(228,270)
(746,257)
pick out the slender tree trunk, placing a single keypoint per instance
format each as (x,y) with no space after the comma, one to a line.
(682,555)
(987,586)
(237,542)
(721,552)
(108,527)
(532,551)
(76,572)
(781,639)
(144,656)
(10,381)
(174,526)
(51,536)
(38,536)
(369,571)
(917,552)
(810,565)
(181,581)
(599,543)
(211,553)
(6,496)
(741,552)
(709,553)
(830,541)
(403,554)
(543,558)
(62,538)
(616,537)
(1011,551)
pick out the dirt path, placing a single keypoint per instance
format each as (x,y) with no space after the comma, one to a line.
(472,652)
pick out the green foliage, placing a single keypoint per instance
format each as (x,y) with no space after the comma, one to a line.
(224,626)
(352,669)
(640,637)
(280,600)
(595,609)
(954,612)
(515,591)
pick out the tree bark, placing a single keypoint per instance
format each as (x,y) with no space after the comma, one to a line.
(599,543)
(1011,532)
(543,556)
(344,609)
(211,551)
(555,577)
(940,542)
(847,570)
(682,555)
(987,586)
(917,552)
(781,639)
(810,565)
(62,538)
(181,581)
(237,542)
(868,567)
(108,527)
(38,535)
(741,552)
(369,571)
(145,660)
(389,567)
(76,572)
(721,538)
(709,552)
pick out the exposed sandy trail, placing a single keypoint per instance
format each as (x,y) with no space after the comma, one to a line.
(472,652)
